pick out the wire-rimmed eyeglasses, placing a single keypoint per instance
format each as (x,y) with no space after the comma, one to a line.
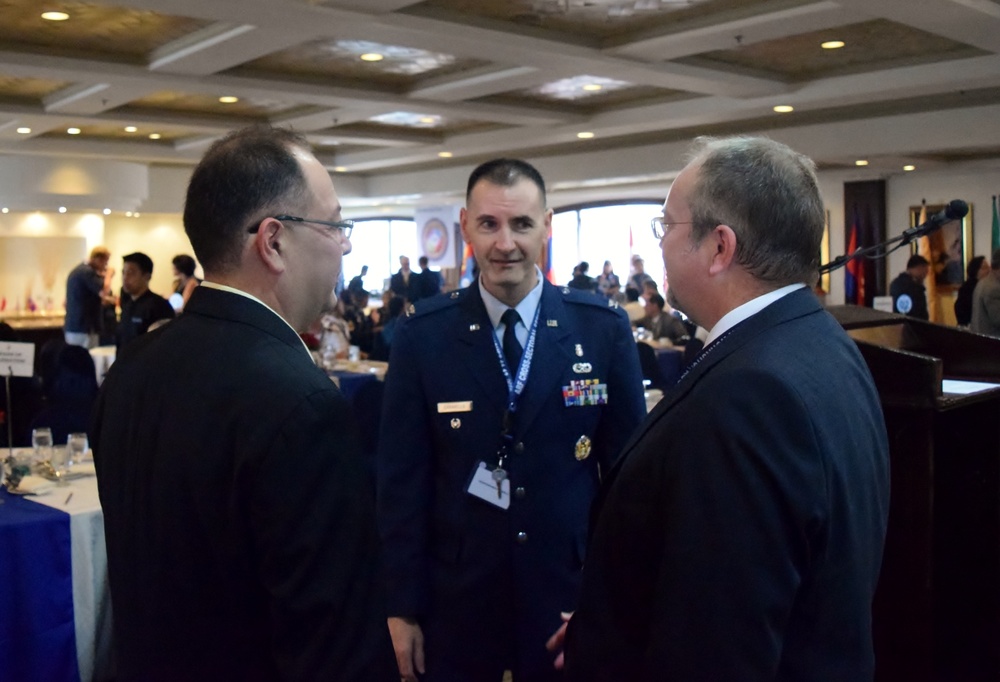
(660,225)
(346,226)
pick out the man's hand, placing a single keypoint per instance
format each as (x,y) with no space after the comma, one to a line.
(555,642)
(408,641)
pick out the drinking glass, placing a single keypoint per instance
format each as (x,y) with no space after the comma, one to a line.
(76,444)
(41,441)
(60,464)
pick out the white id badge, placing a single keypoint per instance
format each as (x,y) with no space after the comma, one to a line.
(485,488)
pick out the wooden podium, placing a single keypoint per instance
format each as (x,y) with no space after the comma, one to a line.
(937,607)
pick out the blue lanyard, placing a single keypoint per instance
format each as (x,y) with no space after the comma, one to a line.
(515,388)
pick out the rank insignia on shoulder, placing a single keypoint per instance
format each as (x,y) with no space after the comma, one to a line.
(612,303)
(410,310)
(551,323)
(454,294)
(566,290)
(473,327)
(582,449)
(583,368)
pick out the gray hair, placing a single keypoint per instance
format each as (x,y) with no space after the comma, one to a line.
(768,194)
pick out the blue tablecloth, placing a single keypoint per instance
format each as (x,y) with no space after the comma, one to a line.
(350,382)
(37,630)
(671,362)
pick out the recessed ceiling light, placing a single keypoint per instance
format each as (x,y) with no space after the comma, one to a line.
(55,16)
(4,210)
(107,211)
(428,119)
(131,129)
(445,155)
(372,57)
(155,136)
(784,109)
(128,214)
(72,131)
(585,135)
(593,87)
(909,167)
(135,215)
(861,162)
(24,131)
(62,209)
(340,169)
(832,44)
(229,99)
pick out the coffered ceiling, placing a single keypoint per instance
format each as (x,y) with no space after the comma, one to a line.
(385,88)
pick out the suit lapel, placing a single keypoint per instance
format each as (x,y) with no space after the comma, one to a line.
(226,305)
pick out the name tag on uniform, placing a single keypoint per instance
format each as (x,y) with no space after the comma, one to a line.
(460,406)
(484,486)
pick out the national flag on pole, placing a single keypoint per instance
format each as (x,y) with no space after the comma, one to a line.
(853,266)
(550,273)
(468,266)
(924,249)
(3,304)
(996,226)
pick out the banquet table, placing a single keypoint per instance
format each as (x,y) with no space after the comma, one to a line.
(55,605)
(352,376)
(671,362)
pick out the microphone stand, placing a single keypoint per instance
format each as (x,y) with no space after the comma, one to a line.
(905,238)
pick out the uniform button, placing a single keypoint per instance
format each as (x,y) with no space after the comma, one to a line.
(519,449)
(519,492)
(522,537)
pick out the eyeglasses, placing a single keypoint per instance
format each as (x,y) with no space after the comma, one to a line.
(346,226)
(660,225)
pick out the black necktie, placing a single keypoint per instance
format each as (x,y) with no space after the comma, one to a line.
(511,346)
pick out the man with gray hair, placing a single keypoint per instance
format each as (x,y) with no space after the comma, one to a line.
(986,301)
(739,535)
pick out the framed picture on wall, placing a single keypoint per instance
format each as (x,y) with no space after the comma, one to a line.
(950,247)
(824,252)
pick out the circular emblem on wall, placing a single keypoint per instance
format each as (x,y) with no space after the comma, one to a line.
(434,239)
(904,304)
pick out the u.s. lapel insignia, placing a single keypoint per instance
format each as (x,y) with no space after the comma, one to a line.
(454,294)
(582,449)
(579,350)
(473,327)
(456,423)
(583,368)
(551,323)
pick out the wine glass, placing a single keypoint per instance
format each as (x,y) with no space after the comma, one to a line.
(76,444)
(60,464)
(41,441)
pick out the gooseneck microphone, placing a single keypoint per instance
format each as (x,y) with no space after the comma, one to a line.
(955,210)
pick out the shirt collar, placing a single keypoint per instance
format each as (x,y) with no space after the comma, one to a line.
(240,292)
(747,310)
(526,308)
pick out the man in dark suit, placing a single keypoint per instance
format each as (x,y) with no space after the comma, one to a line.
(430,280)
(505,402)
(740,535)
(240,528)
(405,283)
(660,324)
(140,306)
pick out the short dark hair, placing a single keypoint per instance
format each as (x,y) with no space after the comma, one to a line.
(584,266)
(185,265)
(422,261)
(631,294)
(657,300)
(396,305)
(972,269)
(140,260)
(244,177)
(505,173)
(916,261)
(768,194)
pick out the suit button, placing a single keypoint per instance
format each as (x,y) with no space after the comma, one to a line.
(519,449)
(519,492)
(522,537)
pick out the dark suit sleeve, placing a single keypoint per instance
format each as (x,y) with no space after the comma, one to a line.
(626,404)
(405,479)
(312,519)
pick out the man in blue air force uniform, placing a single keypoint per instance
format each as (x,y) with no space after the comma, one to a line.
(504,403)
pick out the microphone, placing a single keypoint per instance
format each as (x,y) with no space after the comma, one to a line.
(955,210)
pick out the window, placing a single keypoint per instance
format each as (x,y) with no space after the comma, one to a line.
(379,244)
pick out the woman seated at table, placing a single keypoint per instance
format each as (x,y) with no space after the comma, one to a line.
(662,325)
(185,281)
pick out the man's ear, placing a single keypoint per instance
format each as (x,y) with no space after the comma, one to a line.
(463,217)
(723,243)
(269,242)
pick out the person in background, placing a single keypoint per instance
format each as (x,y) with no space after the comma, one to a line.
(88,286)
(633,308)
(581,280)
(382,344)
(357,283)
(430,280)
(140,306)
(740,535)
(404,282)
(986,301)
(977,269)
(662,324)
(238,512)
(512,380)
(638,276)
(909,296)
(607,279)
(185,281)
(361,326)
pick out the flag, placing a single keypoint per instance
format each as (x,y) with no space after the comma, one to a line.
(468,266)
(924,249)
(996,226)
(3,304)
(550,273)
(851,275)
